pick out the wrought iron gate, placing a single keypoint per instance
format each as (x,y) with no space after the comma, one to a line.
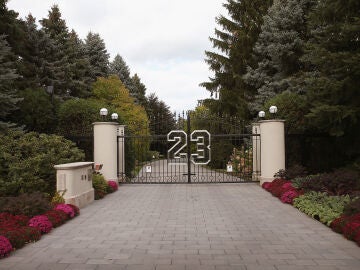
(188,155)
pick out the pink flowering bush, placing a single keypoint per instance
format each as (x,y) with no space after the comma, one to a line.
(5,246)
(41,222)
(289,196)
(66,209)
(113,186)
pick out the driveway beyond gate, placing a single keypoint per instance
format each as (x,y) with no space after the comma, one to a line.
(197,226)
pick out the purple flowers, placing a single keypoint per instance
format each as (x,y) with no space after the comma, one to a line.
(113,185)
(66,209)
(5,246)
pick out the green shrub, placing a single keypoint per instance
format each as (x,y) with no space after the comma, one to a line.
(27,161)
(321,206)
(28,204)
(100,186)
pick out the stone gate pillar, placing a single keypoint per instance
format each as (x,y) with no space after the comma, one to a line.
(272,143)
(105,148)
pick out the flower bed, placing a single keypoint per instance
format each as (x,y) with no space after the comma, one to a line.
(324,197)
(17,230)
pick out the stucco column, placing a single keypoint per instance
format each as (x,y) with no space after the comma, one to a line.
(256,151)
(272,143)
(105,148)
(121,153)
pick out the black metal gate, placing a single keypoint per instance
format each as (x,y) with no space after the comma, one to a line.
(194,152)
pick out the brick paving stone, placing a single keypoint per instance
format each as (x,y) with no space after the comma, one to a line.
(226,226)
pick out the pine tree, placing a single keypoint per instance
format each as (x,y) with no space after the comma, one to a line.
(139,90)
(97,55)
(333,79)
(234,44)
(119,67)
(278,50)
(8,98)
(160,117)
(59,62)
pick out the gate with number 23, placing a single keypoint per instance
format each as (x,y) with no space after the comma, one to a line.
(219,151)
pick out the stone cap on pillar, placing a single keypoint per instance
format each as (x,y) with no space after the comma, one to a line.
(271,120)
(106,123)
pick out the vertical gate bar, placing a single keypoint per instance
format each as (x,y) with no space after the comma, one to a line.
(117,158)
(188,148)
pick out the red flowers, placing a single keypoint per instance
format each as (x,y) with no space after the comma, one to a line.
(282,189)
(349,226)
(17,230)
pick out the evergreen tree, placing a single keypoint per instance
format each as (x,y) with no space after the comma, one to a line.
(8,98)
(139,90)
(79,80)
(97,55)
(234,44)
(119,67)
(59,63)
(160,117)
(278,50)
(12,28)
(333,79)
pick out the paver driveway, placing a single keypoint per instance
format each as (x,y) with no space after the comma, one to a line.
(198,226)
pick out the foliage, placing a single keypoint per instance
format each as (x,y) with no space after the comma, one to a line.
(349,225)
(234,46)
(8,96)
(97,55)
(353,207)
(292,107)
(27,160)
(321,206)
(28,204)
(66,209)
(100,186)
(5,246)
(58,197)
(338,182)
(292,172)
(36,110)
(278,49)
(56,217)
(282,189)
(75,116)
(332,56)
(161,120)
(41,222)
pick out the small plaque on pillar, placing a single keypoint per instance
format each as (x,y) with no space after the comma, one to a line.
(148,169)
(229,168)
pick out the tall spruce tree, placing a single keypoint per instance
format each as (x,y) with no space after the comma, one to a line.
(58,72)
(97,55)
(119,67)
(278,49)
(159,114)
(8,95)
(333,78)
(139,90)
(234,44)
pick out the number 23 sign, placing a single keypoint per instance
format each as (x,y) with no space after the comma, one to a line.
(180,139)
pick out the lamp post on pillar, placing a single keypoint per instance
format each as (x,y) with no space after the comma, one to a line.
(272,143)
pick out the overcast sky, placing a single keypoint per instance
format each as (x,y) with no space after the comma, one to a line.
(163,41)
